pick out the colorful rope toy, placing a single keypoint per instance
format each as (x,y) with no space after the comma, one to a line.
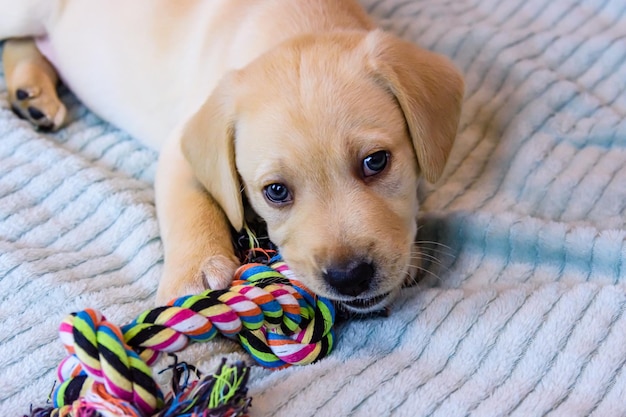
(276,319)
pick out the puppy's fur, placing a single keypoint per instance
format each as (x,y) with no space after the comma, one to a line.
(241,94)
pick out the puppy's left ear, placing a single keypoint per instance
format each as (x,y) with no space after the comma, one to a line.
(430,92)
(208,143)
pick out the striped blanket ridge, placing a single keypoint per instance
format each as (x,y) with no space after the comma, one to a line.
(521,309)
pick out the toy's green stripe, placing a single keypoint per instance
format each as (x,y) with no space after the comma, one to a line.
(258,349)
(328,316)
(137,364)
(140,332)
(144,382)
(265,275)
(112,344)
(59,395)
(87,333)
(290,324)
(71,390)
(276,314)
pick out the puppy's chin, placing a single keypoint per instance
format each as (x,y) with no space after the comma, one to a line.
(369,305)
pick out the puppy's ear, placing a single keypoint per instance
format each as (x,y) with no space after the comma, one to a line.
(430,92)
(208,143)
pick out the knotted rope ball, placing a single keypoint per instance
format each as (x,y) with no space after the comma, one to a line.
(275,318)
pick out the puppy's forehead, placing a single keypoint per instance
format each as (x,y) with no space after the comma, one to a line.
(317,108)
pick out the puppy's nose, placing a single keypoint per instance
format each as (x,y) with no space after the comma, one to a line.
(351,280)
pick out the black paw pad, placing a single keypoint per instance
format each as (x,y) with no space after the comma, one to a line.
(48,127)
(21,94)
(35,113)
(17,112)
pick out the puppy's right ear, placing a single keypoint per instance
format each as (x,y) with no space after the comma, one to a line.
(428,89)
(208,143)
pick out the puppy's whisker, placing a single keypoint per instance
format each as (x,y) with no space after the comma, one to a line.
(424,256)
(431,242)
(410,278)
(414,281)
(441,252)
(429,272)
(434,261)
(428,257)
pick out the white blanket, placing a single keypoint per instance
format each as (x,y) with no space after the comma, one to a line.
(522,313)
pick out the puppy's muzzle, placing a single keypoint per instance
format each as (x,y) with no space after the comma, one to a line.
(351,280)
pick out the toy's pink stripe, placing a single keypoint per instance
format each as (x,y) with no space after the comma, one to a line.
(245,289)
(189,324)
(242,305)
(253,293)
(153,357)
(249,288)
(167,343)
(299,355)
(143,405)
(287,299)
(65,327)
(117,391)
(66,335)
(225,317)
(68,368)
(280,292)
(94,373)
(236,299)
(180,316)
(298,337)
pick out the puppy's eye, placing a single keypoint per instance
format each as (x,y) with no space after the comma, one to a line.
(375,163)
(277,193)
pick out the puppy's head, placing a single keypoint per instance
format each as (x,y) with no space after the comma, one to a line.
(327,135)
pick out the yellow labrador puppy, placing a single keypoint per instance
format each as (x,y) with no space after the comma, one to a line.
(302,108)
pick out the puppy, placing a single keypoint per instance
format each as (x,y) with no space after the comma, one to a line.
(324,123)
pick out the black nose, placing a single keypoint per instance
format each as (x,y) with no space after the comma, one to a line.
(352,280)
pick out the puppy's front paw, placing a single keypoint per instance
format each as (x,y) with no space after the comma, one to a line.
(215,272)
(218,271)
(40,106)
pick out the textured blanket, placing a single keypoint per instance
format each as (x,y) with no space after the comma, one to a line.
(521,309)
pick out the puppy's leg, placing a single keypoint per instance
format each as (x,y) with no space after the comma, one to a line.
(31,82)
(195,232)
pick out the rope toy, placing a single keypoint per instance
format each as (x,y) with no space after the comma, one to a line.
(275,318)
(223,394)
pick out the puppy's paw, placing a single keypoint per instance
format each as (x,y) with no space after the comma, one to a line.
(39,105)
(215,272)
